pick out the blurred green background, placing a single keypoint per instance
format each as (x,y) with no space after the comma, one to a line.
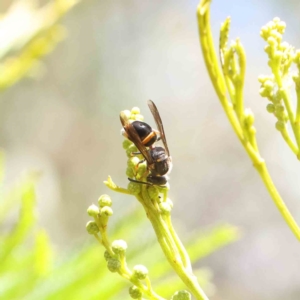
(62,120)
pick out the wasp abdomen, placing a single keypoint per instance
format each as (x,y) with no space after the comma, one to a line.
(145,132)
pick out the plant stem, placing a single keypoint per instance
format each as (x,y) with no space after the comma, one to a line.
(217,79)
(182,251)
(263,172)
(110,184)
(289,141)
(169,246)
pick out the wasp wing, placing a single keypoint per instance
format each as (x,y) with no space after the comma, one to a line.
(134,137)
(159,124)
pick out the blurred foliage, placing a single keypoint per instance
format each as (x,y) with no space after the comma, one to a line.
(29,269)
(28,33)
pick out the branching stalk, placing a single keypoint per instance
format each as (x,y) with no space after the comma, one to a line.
(246,134)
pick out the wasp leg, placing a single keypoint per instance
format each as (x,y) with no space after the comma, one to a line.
(147,183)
(137,181)
(135,153)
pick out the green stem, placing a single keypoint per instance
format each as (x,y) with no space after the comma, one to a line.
(252,138)
(287,102)
(263,172)
(182,251)
(289,141)
(167,245)
(239,82)
(127,274)
(297,121)
(160,227)
(145,290)
(110,184)
(105,241)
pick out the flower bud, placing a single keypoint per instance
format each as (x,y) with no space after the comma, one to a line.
(263,92)
(277,35)
(271,41)
(135,292)
(153,192)
(107,255)
(279,108)
(270,108)
(281,27)
(182,295)
(92,227)
(140,272)
(134,188)
(249,118)
(135,111)
(104,200)
(113,265)
(106,211)
(126,143)
(262,78)
(93,210)
(264,31)
(130,149)
(133,161)
(142,168)
(268,49)
(268,84)
(139,117)
(130,173)
(280,125)
(119,246)
(284,46)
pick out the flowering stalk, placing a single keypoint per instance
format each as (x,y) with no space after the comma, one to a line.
(277,86)
(158,208)
(230,79)
(115,251)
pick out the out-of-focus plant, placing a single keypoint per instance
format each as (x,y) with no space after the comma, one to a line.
(28,33)
(228,82)
(157,206)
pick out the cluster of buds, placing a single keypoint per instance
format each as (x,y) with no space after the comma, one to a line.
(280,53)
(115,257)
(181,295)
(116,251)
(100,214)
(270,91)
(158,206)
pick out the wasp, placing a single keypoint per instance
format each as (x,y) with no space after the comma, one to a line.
(159,162)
